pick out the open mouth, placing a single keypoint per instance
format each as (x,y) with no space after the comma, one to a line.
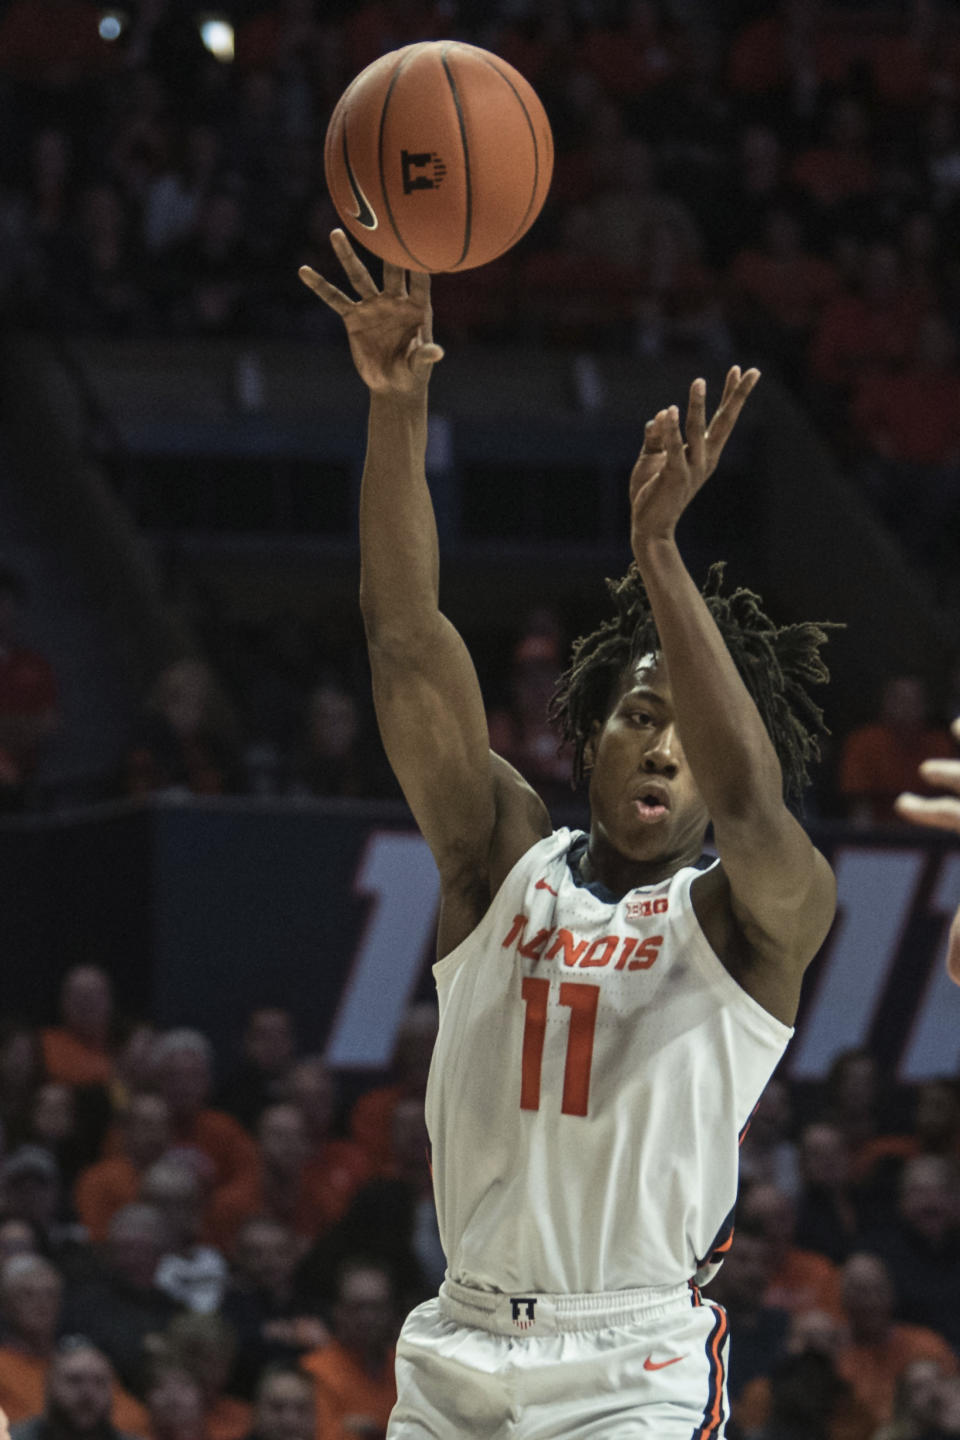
(651,804)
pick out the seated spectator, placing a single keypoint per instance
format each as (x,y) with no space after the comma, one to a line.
(354,1372)
(828,1220)
(268,1054)
(921,1245)
(372,1115)
(768,1155)
(810,1401)
(916,1403)
(193,1275)
(80,1401)
(30,1190)
(21,1072)
(121,1309)
(274,1322)
(777,291)
(77,1051)
(341,1165)
(876,325)
(935,1131)
(521,731)
(279,1183)
(54,1125)
(187,740)
(880,1349)
(31,1296)
(411,1166)
(801,1280)
(881,758)
(761,1330)
(18,1237)
(337,756)
(183,1071)
(811,1333)
(285,1406)
(174,1403)
(840,168)
(106,1186)
(29,713)
(205,1346)
(853,1101)
(908,425)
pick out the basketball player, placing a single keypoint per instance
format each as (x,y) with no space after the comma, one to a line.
(941,813)
(613,1003)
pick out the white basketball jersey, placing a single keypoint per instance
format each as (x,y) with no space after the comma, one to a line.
(594,1070)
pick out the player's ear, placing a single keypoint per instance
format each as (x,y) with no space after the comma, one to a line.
(590,747)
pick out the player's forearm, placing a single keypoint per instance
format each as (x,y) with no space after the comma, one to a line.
(398,532)
(724,739)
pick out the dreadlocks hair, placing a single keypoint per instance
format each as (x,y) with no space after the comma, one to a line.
(776,663)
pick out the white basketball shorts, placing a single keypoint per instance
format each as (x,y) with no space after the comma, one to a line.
(631,1365)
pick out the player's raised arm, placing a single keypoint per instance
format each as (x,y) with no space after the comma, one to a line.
(781,891)
(940,812)
(429,706)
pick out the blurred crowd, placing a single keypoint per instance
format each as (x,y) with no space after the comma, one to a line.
(774,179)
(212,1248)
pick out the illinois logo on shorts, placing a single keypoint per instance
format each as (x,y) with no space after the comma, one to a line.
(523,1319)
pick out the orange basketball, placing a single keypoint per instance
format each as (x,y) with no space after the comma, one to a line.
(438,156)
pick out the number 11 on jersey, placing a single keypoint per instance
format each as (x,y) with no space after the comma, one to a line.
(582,1002)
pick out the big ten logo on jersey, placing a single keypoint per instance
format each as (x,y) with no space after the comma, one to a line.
(616,952)
(644,908)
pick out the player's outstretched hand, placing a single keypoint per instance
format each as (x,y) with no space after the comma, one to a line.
(390,330)
(941,813)
(670,470)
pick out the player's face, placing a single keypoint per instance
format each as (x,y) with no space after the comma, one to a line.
(643,797)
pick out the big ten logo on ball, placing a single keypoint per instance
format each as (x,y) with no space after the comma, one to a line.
(421,171)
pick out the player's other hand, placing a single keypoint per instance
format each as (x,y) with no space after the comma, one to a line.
(670,468)
(390,330)
(941,812)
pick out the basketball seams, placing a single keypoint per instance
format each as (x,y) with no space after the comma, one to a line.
(468,182)
(383,179)
(521,228)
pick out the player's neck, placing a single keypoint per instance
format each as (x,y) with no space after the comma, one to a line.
(602,862)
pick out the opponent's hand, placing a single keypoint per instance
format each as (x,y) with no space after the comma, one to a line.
(390,330)
(669,471)
(941,813)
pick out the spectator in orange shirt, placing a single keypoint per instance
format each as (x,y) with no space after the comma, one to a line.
(205,1347)
(802,1280)
(372,1116)
(880,1349)
(183,1063)
(880,759)
(874,326)
(841,167)
(354,1372)
(77,1051)
(31,1297)
(917,1402)
(103,1188)
(908,422)
(828,1218)
(280,1184)
(81,1399)
(921,1244)
(285,1406)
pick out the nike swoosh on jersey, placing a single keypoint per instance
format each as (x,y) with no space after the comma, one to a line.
(542,885)
(365,214)
(650,1364)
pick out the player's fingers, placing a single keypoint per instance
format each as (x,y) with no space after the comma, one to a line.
(696,422)
(418,287)
(422,355)
(729,385)
(394,280)
(673,438)
(357,273)
(945,773)
(728,411)
(328,293)
(955,729)
(652,438)
(940,814)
